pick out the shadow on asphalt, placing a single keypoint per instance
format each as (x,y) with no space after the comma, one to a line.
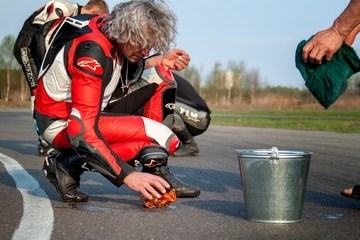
(24,147)
(328,200)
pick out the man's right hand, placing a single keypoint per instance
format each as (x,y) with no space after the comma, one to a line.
(148,185)
(323,45)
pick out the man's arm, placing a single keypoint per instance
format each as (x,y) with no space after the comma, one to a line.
(348,19)
(325,43)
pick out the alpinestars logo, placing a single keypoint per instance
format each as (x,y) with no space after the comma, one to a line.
(170,106)
(90,64)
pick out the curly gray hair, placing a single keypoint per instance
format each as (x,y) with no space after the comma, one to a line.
(144,23)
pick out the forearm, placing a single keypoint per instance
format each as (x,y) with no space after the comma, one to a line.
(153,61)
(348,19)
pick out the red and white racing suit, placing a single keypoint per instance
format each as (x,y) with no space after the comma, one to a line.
(79,74)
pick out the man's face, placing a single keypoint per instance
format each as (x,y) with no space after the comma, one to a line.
(133,53)
(92,10)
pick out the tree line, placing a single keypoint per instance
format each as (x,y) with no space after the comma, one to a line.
(232,85)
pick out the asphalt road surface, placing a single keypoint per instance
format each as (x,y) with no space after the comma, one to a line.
(31,208)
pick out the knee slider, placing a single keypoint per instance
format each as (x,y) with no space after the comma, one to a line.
(152,157)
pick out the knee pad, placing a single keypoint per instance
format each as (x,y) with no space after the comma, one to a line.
(152,157)
(196,121)
(48,128)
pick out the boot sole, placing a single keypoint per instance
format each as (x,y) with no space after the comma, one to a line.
(188,195)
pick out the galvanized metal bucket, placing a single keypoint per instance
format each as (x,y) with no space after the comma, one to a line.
(274,184)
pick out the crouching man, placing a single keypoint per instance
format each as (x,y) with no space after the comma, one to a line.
(78,77)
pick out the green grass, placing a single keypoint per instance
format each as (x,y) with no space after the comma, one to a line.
(321,120)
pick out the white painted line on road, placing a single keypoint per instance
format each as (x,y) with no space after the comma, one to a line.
(38,217)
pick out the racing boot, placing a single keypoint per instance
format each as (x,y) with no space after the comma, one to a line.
(188,146)
(187,149)
(182,189)
(157,164)
(63,171)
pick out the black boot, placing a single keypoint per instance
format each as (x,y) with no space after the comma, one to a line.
(188,145)
(187,149)
(182,189)
(64,171)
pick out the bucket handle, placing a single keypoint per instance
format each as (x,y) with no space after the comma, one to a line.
(274,159)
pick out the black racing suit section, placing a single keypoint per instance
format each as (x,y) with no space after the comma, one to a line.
(187,94)
(191,111)
(24,47)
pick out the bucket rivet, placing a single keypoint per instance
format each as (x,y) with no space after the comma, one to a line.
(274,156)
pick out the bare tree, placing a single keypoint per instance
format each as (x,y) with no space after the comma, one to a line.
(239,73)
(7,61)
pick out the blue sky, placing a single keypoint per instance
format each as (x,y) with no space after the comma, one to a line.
(262,34)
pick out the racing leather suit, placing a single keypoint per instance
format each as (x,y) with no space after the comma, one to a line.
(191,111)
(34,37)
(78,76)
(31,44)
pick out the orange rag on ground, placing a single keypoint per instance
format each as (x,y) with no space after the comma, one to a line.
(164,201)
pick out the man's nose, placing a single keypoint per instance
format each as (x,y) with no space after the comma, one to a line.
(145,52)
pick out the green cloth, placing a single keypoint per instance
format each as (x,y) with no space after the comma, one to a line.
(328,81)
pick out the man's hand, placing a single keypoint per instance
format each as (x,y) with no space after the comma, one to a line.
(175,59)
(323,44)
(148,185)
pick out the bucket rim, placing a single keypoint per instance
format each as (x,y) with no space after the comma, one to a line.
(266,153)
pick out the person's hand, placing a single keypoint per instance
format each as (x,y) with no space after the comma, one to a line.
(175,59)
(148,185)
(323,44)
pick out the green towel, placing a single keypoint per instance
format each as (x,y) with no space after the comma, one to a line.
(328,81)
